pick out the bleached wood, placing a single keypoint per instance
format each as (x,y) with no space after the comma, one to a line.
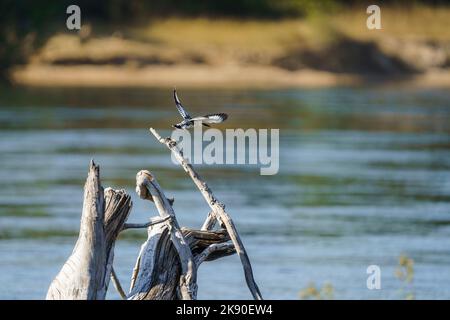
(153,221)
(210,221)
(157,269)
(86,273)
(166,267)
(157,273)
(82,276)
(118,206)
(218,208)
(212,249)
(147,187)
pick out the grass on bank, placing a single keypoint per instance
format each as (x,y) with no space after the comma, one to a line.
(228,41)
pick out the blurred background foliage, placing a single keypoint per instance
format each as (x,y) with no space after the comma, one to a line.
(26,24)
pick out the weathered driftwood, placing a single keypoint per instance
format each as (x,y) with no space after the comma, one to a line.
(218,209)
(148,188)
(153,221)
(117,209)
(157,270)
(167,265)
(169,253)
(86,273)
(210,221)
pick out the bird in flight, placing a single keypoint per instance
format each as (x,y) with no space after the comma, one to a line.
(188,121)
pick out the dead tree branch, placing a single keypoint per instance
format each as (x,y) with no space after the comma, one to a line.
(218,209)
(167,265)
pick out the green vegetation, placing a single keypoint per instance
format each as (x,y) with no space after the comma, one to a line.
(405,273)
(311,292)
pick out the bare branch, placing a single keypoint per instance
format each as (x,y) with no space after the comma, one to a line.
(152,222)
(210,221)
(224,247)
(219,210)
(117,285)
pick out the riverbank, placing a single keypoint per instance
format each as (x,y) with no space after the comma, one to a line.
(211,77)
(413,48)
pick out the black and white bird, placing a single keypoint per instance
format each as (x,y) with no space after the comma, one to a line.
(188,121)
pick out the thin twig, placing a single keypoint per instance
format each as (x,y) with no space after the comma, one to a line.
(117,285)
(219,210)
(152,222)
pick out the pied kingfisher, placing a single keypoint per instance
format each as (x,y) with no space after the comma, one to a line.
(188,121)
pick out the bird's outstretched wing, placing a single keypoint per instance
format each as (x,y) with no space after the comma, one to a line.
(180,107)
(212,118)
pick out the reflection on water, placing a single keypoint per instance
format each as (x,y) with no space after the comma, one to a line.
(364,176)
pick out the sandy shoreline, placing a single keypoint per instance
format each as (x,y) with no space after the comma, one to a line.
(229,76)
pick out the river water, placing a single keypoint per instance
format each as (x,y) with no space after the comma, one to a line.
(364,178)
